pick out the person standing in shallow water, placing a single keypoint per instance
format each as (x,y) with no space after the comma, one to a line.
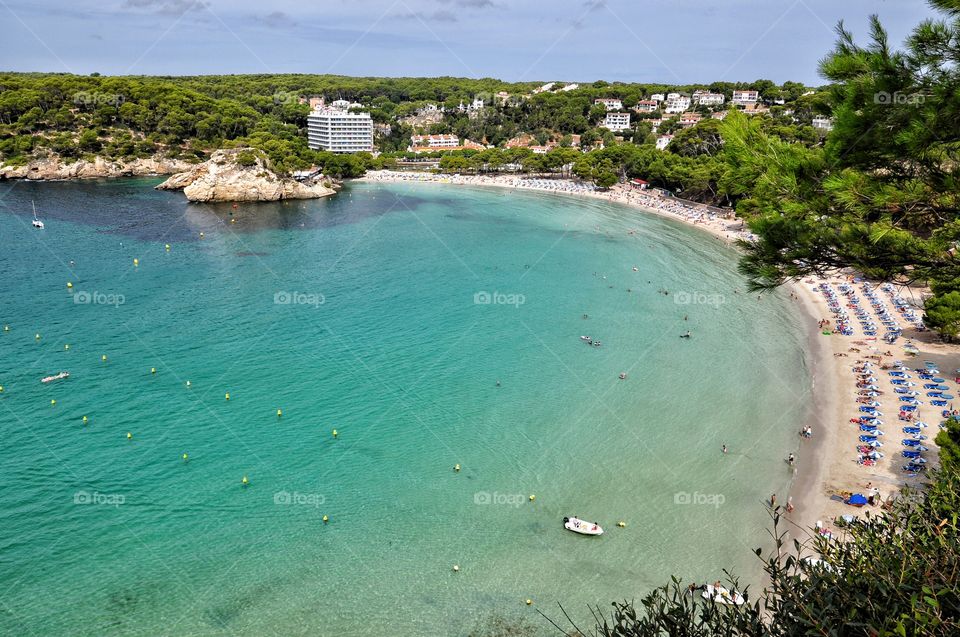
(724,448)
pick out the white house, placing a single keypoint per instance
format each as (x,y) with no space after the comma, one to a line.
(434,141)
(677,104)
(663,141)
(647,106)
(340,131)
(689,119)
(477,104)
(611,103)
(822,122)
(743,98)
(570,87)
(617,121)
(657,97)
(672,96)
(706,98)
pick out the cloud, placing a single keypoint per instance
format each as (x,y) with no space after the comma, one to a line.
(168,7)
(441,15)
(278,19)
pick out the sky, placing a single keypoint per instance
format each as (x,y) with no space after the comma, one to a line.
(663,41)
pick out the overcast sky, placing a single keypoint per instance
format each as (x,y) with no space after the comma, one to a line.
(670,41)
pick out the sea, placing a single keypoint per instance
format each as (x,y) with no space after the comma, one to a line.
(369,414)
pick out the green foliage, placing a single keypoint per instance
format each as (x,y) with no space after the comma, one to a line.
(948,442)
(881,196)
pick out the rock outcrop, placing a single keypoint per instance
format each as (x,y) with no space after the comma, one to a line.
(240,174)
(53,167)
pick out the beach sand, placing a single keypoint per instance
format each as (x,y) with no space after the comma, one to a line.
(826,464)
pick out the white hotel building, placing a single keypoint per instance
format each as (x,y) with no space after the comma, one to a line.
(340,131)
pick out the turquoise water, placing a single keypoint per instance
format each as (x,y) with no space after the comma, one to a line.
(383,340)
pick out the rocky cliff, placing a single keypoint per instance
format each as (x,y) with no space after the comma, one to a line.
(54,167)
(240,174)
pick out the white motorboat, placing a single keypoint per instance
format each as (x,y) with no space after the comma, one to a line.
(721,595)
(36,221)
(57,376)
(582,526)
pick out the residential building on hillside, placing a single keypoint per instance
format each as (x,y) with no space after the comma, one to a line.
(706,98)
(339,131)
(742,98)
(617,121)
(611,103)
(822,122)
(435,141)
(677,104)
(647,106)
(689,119)
(663,141)
(570,87)
(658,97)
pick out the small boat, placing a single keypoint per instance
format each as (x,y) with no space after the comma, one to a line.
(721,595)
(36,221)
(57,376)
(582,526)
(586,338)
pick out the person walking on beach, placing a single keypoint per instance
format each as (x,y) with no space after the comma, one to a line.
(773,500)
(790,505)
(790,459)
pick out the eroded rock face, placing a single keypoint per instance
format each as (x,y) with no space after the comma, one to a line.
(55,168)
(224,177)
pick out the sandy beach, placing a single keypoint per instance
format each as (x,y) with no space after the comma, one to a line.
(827,467)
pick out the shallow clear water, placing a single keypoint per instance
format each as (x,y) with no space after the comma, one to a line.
(104,535)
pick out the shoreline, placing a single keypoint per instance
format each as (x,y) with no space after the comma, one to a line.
(826,463)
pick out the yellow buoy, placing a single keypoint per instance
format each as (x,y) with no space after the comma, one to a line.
(37,336)
(166,247)
(279,413)
(244,481)
(85,419)
(104,358)
(532,497)
(335,434)
(53,401)
(129,436)
(227,396)
(232,220)
(69,284)
(621,524)
(456,467)
(185,458)
(326,519)
(456,568)
(153,370)
(136,262)
(529,602)
(1,389)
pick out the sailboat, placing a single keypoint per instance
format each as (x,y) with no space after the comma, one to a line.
(36,221)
